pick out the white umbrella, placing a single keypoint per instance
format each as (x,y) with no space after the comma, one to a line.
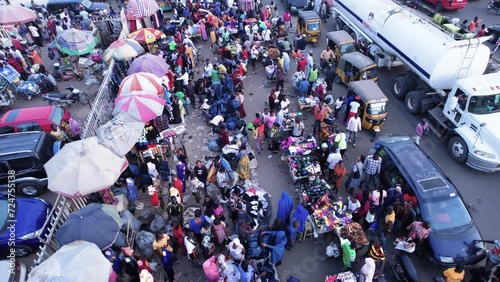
(83,167)
(120,133)
(79,261)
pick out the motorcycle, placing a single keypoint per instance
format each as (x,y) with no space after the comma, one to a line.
(65,100)
(494,5)
(326,66)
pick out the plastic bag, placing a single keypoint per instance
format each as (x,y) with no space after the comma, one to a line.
(157,224)
(144,242)
(134,224)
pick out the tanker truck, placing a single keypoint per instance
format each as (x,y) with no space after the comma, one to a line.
(445,79)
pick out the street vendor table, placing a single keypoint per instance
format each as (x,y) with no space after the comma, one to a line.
(297,166)
(329,216)
(306,103)
(297,146)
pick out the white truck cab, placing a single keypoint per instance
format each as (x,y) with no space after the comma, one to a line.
(470,119)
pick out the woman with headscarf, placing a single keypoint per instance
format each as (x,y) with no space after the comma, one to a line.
(368,270)
(301,215)
(285,206)
(277,249)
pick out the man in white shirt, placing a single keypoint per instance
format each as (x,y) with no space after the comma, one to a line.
(267,36)
(314,171)
(216,121)
(207,69)
(353,126)
(353,204)
(35,34)
(353,108)
(332,160)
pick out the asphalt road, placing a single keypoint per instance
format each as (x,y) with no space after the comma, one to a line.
(307,260)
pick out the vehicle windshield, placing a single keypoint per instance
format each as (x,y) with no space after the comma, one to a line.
(4,207)
(86,3)
(446,213)
(484,104)
(313,26)
(369,74)
(347,48)
(57,116)
(377,108)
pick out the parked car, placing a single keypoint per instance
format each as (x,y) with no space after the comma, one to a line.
(13,270)
(55,7)
(494,32)
(22,156)
(447,5)
(30,215)
(451,240)
(32,119)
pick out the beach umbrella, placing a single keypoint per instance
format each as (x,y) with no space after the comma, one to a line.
(141,81)
(79,261)
(75,42)
(95,223)
(149,63)
(12,14)
(146,35)
(83,167)
(141,105)
(120,133)
(123,50)
(138,9)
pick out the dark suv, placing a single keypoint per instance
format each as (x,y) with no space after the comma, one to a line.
(22,156)
(453,230)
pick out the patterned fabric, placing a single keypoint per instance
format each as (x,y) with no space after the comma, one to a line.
(417,230)
(372,166)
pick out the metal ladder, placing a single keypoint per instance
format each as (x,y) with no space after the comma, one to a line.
(469,57)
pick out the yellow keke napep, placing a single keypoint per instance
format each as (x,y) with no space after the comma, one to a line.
(373,109)
(353,67)
(309,25)
(340,42)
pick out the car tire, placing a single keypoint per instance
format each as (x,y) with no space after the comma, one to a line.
(21,251)
(494,37)
(337,79)
(438,7)
(413,102)
(458,149)
(30,189)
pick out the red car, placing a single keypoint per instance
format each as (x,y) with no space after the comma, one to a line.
(447,5)
(32,119)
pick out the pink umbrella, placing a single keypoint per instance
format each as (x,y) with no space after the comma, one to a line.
(12,14)
(138,9)
(143,106)
(141,81)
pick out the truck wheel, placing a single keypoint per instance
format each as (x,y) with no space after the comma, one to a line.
(339,24)
(400,87)
(337,79)
(458,149)
(413,102)
(438,7)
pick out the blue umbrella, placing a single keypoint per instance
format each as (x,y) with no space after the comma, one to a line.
(95,223)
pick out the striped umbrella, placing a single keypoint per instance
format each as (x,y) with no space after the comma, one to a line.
(138,9)
(146,35)
(143,106)
(75,42)
(141,81)
(123,50)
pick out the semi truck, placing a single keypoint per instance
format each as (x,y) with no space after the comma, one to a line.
(445,78)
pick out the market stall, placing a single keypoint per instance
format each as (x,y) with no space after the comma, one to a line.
(328,215)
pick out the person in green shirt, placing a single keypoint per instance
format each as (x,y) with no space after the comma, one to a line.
(172,45)
(348,254)
(313,76)
(180,95)
(216,82)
